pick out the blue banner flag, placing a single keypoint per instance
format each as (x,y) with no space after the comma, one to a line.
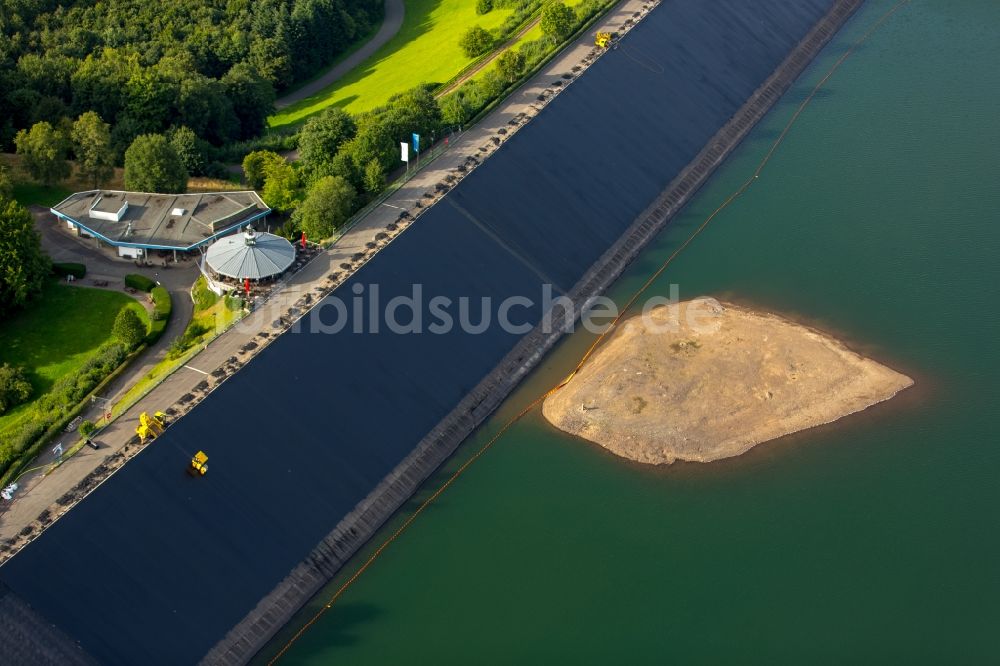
(416,142)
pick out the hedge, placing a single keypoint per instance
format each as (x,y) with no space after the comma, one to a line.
(64,269)
(67,398)
(161,314)
(140,282)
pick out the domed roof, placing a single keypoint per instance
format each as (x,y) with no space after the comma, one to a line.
(253,255)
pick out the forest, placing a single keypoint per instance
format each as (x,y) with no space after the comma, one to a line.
(213,66)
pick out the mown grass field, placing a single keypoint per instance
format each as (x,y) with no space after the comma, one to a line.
(425,50)
(56,334)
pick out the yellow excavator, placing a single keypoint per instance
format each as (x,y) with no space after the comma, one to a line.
(603,39)
(151,427)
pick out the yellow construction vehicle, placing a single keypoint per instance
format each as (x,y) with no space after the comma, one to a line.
(603,40)
(151,427)
(199,464)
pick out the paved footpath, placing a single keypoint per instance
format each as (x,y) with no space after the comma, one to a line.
(313,280)
(391,23)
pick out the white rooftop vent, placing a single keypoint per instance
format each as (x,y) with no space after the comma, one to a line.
(177,212)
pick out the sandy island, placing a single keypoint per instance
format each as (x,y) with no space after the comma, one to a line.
(702,380)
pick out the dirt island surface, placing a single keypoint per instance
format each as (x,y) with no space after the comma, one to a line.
(702,380)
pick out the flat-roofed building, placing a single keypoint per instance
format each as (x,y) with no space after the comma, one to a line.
(135,222)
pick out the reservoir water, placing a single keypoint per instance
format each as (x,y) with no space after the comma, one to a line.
(873,539)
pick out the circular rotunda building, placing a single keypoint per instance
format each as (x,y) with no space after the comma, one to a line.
(250,255)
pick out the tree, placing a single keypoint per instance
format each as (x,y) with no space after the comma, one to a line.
(374,178)
(152,165)
(491,85)
(329,204)
(281,187)
(6,187)
(148,97)
(252,96)
(455,108)
(415,110)
(255,166)
(558,21)
(510,64)
(23,266)
(128,329)
(322,136)
(343,165)
(189,148)
(92,147)
(484,6)
(476,41)
(374,140)
(44,150)
(271,57)
(14,387)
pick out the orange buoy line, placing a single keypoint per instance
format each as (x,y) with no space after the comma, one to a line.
(593,347)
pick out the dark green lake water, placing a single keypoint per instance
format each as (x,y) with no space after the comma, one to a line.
(875,539)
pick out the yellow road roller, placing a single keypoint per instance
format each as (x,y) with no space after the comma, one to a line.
(199,464)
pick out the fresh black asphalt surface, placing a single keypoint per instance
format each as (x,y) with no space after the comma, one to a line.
(156,566)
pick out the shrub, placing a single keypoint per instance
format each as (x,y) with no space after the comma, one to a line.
(588,8)
(140,282)
(272,141)
(455,108)
(190,337)
(219,171)
(87,427)
(256,164)
(156,328)
(521,11)
(64,269)
(234,303)
(128,329)
(535,51)
(51,412)
(161,314)
(203,297)
(476,41)
(14,387)
(492,84)
(161,303)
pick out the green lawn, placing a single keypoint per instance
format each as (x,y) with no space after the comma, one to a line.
(214,313)
(530,36)
(27,194)
(57,333)
(425,50)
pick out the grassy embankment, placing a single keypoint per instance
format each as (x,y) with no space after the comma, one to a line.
(534,34)
(425,50)
(54,336)
(213,315)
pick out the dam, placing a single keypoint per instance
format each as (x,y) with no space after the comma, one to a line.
(322,436)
